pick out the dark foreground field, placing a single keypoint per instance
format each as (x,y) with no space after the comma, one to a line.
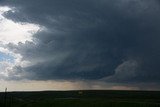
(81,99)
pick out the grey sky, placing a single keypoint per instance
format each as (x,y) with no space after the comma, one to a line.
(112,41)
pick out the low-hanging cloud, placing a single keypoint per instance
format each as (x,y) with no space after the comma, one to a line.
(89,40)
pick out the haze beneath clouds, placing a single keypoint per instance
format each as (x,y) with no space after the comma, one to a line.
(80,44)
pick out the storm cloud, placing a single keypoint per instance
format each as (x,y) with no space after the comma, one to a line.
(112,41)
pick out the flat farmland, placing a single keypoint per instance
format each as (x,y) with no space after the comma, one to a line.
(81,98)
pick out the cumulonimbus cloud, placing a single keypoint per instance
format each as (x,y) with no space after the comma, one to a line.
(90,40)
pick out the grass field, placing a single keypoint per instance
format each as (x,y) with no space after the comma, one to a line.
(81,99)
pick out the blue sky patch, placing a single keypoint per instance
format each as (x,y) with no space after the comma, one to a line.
(6,57)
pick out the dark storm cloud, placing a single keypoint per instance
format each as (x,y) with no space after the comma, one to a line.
(114,41)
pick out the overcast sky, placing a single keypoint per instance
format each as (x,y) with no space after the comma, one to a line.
(80,44)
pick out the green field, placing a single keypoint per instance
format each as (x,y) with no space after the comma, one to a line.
(81,99)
